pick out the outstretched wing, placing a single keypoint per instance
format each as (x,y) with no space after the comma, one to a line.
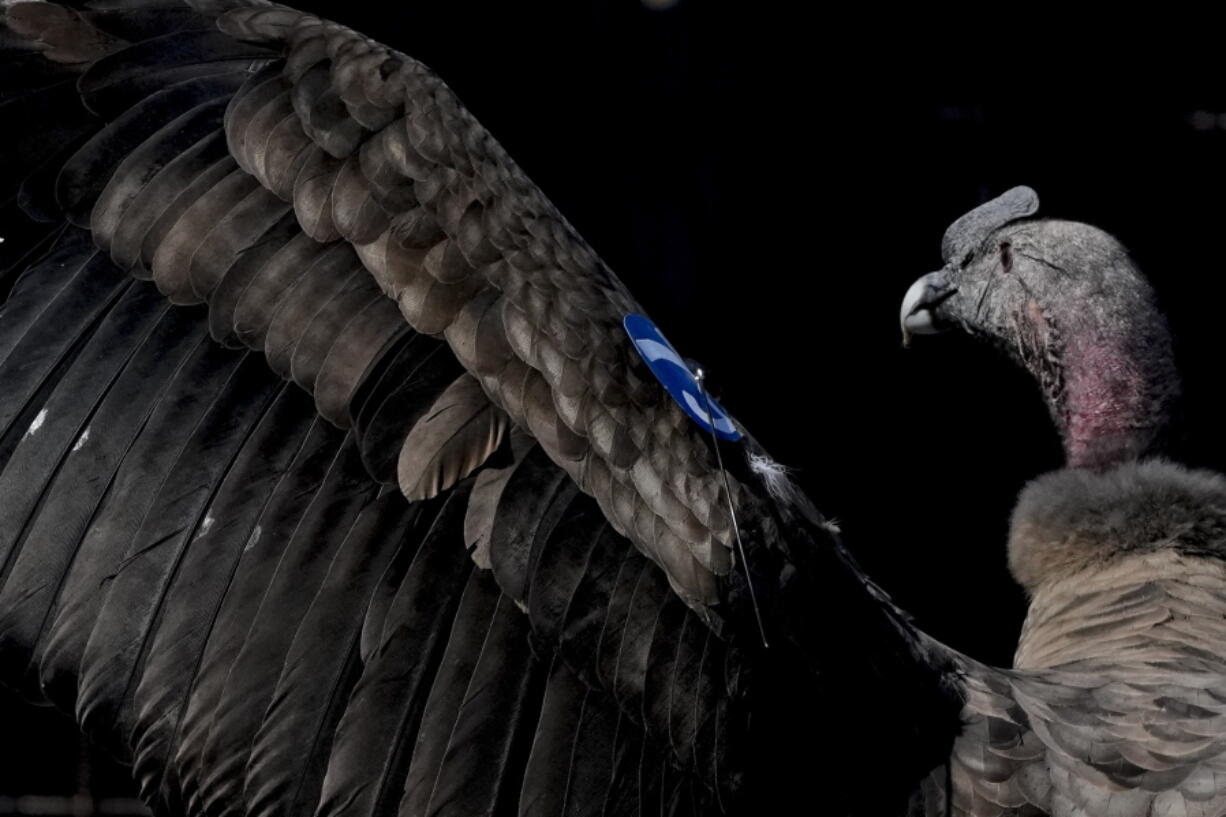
(207,552)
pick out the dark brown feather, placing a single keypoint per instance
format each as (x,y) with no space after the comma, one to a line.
(257,302)
(329,321)
(224,244)
(351,356)
(456,435)
(172,261)
(127,235)
(177,202)
(249,265)
(298,303)
(144,164)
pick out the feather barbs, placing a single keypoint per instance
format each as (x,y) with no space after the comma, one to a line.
(455,437)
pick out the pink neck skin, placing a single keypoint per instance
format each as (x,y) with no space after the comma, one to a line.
(1105,399)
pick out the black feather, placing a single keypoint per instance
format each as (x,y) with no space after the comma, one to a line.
(291,748)
(72,501)
(19,251)
(206,574)
(630,572)
(27,71)
(570,765)
(146,464)
(686,707)
(36,196)
(386,589)
(34,286)
(252,678)
(87,172)
(656,681)
(136,22)
(146,206)
(483,766)
(139,169)
(536,495)
(584,619)
(261,554)
(61,120)
(408,385)
(374,740)
(33,361)
(468,633)
(66,416)
(651,598)
(118,81)
(561,567)
(621,798)
(136,588)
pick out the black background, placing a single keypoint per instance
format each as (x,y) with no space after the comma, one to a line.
(768,182)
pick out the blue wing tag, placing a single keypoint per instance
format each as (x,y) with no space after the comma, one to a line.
(678,380)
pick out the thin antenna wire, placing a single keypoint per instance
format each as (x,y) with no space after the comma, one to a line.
(699,376)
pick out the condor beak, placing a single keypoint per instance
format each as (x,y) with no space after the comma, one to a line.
(922,298)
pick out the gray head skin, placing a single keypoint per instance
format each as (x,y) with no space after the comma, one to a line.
(1065,300)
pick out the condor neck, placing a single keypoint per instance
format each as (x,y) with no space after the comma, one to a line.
(1117,399)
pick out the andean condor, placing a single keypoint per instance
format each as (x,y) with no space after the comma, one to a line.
(333,483)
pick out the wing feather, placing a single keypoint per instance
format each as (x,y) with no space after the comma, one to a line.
(309,474)
(208,572)
(251,681)
(37,463)
(374,740)
(468,633)
(290,751)
(69,505)
(454,437)
(136,586)
(197,381)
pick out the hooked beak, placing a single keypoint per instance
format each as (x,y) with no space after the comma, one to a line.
(916,316)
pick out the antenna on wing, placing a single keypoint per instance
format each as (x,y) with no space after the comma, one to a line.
(699,377)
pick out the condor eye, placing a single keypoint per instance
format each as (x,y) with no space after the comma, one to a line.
(966,261)
(1006,256)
